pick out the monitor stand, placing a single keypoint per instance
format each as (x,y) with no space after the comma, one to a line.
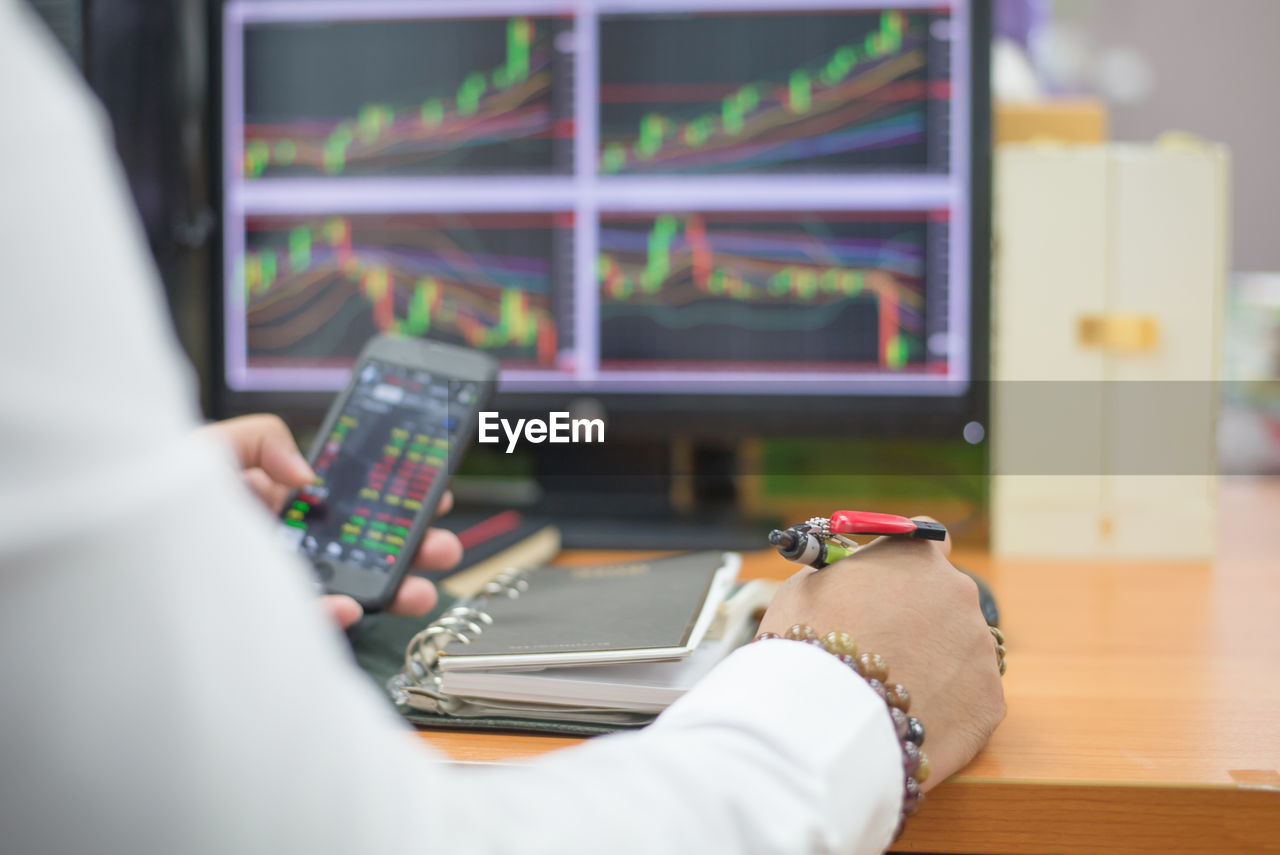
(638,496)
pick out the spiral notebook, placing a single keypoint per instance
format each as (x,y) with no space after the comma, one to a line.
(560,618)
(640,687)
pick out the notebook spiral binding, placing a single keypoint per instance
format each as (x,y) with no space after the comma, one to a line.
(462,623)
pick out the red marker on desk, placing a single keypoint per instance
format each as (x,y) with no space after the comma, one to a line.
(820,541)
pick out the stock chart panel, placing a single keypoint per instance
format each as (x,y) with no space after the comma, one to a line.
(776,291)
(406,97)
(316,289)
(847,91)
(608,195)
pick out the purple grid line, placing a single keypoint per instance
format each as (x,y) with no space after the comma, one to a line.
(586,329)
(235,350)
(285,11)
(958,239)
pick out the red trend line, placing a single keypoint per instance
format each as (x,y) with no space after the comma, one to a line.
(384,313)
(546,342)
(342,243)
(695,232)
(888,324)
(379,288)
(612,277)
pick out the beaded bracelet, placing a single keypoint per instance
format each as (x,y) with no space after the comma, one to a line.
(872,668)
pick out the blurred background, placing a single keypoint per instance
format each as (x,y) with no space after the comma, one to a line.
(790,254)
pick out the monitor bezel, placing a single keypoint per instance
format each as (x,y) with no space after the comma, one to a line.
(711,416)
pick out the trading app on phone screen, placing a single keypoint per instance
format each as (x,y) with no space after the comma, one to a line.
(386,449)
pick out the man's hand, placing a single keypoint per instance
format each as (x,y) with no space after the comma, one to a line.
(901,598)
(273,466)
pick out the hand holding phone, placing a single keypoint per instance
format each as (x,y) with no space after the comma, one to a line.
(383,459)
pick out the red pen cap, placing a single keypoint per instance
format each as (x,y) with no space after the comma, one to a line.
(865,522)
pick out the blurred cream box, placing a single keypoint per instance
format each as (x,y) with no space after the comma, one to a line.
(1109,268)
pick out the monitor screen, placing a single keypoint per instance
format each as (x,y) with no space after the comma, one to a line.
(691,198)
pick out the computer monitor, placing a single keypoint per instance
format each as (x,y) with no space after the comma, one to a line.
(714,217)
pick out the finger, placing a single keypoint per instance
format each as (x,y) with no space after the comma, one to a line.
(268,491)
(416,596)
(883,540)
(344,610)
(264,441)
(945,543)
(446,503)
(440,550)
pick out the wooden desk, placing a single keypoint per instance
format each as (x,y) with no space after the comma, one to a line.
(1144,703)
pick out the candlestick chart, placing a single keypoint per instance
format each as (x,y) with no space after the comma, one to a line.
(840,92)
(406,98)
(765,289)
(316,289)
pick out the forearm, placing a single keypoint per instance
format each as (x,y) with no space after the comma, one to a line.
(781,749)
(231,711)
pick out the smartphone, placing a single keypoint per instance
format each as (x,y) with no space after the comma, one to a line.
(383,458)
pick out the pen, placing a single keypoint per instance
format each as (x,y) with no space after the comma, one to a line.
(820,541)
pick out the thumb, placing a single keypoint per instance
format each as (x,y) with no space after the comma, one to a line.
(945,544)
(342,609)
(264,442)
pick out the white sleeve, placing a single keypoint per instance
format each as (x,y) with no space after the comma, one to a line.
(169,683)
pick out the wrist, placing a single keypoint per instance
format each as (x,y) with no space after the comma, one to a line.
(873,669)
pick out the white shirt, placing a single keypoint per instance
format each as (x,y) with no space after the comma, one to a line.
(168,683)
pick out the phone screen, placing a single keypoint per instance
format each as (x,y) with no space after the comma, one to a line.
(374,472)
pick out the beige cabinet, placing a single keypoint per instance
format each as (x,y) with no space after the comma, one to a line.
(1108,277)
